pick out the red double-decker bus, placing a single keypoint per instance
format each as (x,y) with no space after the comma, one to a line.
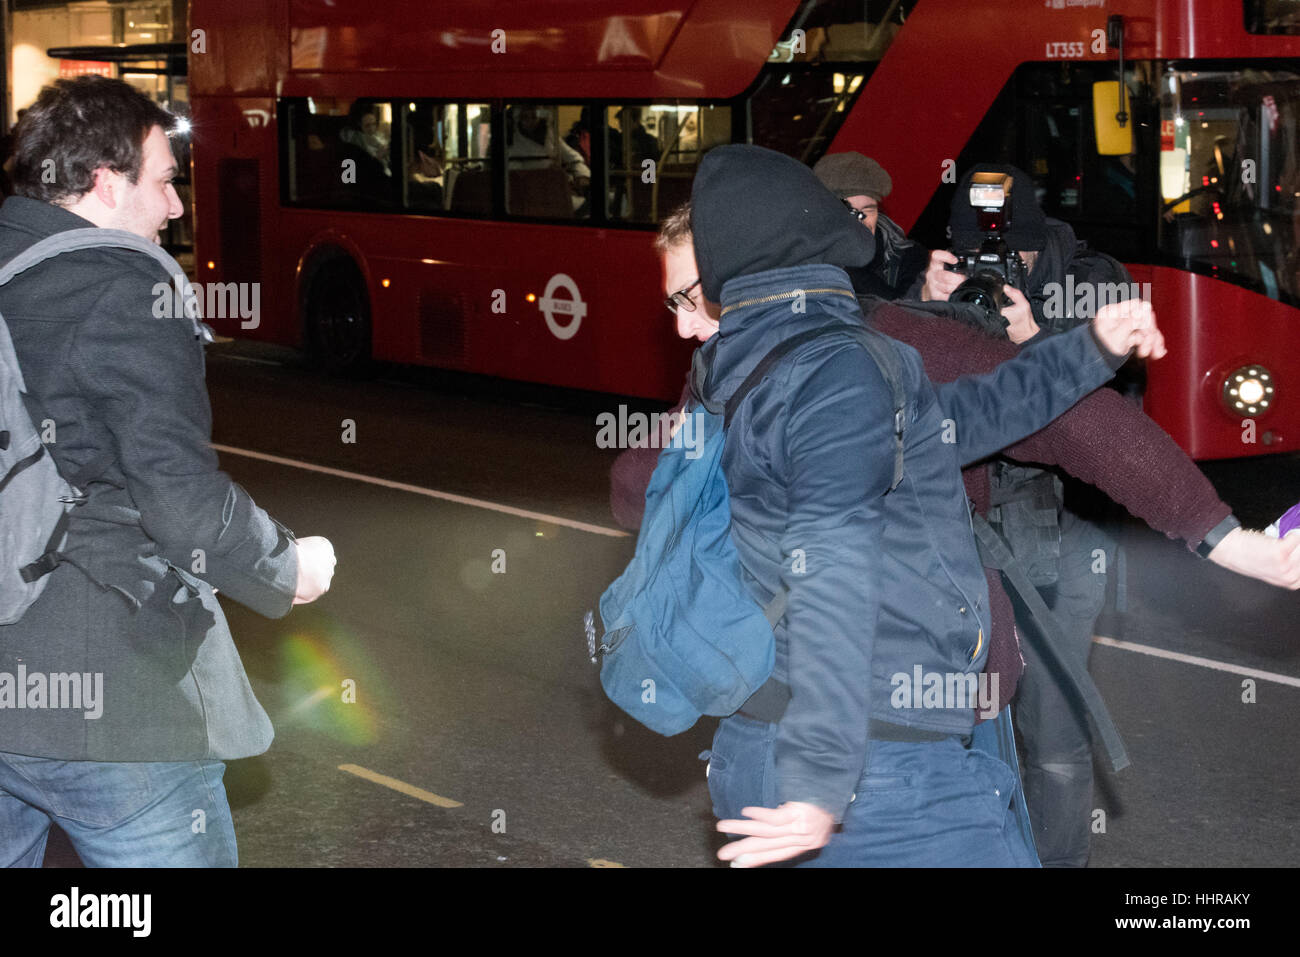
(475,185)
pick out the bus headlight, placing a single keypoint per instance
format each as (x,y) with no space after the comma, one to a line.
(1248,390)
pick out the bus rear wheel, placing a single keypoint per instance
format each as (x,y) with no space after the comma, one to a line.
(337,317)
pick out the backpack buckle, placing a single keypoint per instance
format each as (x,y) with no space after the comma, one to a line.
(589,628)
(40,568)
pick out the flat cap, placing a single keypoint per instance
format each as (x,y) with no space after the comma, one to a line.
(852,174)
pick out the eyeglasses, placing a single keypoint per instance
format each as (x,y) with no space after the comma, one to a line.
(861,214)
(682,299)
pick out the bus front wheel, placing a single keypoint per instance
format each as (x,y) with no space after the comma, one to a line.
(337,316)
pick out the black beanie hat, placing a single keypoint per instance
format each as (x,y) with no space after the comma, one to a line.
(754,209)
(1028,229)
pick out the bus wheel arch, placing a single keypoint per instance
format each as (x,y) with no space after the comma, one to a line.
(335,309)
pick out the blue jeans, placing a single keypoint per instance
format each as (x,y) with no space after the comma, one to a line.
(165,814)
(918,804)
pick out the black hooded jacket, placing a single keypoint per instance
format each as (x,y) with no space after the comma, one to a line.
(879,582)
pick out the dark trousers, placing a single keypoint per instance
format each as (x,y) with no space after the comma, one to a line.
(1057,744)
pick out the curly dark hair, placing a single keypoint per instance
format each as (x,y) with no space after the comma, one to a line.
(77,126)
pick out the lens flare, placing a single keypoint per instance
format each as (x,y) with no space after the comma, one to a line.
(328,688)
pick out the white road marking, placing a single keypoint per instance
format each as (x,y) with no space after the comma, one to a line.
(618,533)
(1197,660)
(427,492)
(255,360)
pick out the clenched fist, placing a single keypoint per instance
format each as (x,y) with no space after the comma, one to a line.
(315,568)
(1131,324)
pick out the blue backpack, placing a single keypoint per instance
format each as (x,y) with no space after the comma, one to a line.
(683,636)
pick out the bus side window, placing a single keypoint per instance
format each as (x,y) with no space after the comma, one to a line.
(548,157)
(447,157)
(424,160)
(338,153)
(652,153)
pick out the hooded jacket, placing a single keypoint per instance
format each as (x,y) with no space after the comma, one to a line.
(881,584)
(1064,266)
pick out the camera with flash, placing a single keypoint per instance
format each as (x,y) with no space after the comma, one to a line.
(994,264)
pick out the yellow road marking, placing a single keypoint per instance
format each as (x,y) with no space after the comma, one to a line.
(408,789)
(601,862)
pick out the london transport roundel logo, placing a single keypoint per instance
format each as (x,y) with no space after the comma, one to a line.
(573,307)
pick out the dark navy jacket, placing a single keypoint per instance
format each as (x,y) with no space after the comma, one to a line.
(878,583)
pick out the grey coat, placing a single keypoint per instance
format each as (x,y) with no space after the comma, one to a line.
(125,394)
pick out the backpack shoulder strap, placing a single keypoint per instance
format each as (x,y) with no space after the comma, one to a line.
(88,238)
(881,352)
(891,367)
(765,364)
(1074,678)
(92,237)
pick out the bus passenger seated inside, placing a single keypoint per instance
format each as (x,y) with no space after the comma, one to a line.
(548,177)
(368,140)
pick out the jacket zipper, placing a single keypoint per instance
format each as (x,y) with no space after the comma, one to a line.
(784,295)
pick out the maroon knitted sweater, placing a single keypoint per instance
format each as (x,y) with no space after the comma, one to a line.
(1104,440)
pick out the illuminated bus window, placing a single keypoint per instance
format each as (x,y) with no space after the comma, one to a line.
(466,138)
(816,70)
(338,153)
(547,177)
(446,149)
(841,31)
(1230,176)
(652,153)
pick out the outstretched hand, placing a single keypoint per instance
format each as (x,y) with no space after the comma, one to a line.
(776,834)
(1274,561)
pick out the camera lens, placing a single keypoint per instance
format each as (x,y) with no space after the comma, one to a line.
(983,289)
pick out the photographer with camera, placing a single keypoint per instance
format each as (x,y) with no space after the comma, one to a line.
(1005,275)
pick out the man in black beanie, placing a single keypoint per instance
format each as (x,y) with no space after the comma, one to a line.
(884,586)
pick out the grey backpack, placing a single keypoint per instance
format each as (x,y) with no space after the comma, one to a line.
(35,499)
